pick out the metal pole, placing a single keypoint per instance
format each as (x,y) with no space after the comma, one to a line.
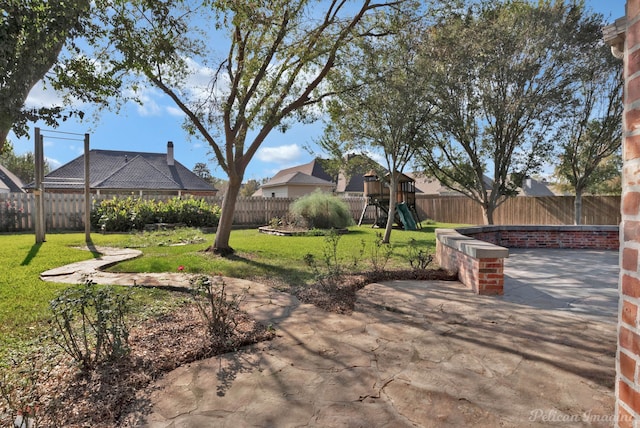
(87,192)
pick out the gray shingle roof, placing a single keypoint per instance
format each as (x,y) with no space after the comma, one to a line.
(298,178)
(113,169)
(9,181)
(313,168)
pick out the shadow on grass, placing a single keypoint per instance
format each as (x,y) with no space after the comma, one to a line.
(288,275)
(92,248)
(31,254)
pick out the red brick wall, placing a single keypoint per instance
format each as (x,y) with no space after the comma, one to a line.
(483,271)
(578,237)
(482,275)
(628,356)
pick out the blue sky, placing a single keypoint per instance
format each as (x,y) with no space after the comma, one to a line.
(147,128)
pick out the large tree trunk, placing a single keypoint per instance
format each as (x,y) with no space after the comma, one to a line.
(392,209)
(487,213)
(577,207)
(221,242)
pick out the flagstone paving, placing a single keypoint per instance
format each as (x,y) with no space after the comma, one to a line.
(412,354)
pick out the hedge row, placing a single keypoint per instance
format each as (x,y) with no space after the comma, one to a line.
(126,214)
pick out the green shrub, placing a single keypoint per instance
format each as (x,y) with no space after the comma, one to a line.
(323,211)
(113,215)
(218,312)
(419,259)
(126,214)
(88,323)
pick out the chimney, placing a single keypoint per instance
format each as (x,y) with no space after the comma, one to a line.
(170,160)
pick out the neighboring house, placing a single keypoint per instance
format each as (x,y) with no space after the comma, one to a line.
(293,185)
(9,182)
(432,186)
(533,187)
(299,180)
(128,172)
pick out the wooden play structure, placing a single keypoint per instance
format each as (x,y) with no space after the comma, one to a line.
(377,195)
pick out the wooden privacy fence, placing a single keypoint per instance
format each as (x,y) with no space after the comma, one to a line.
(522,210)
(66,211)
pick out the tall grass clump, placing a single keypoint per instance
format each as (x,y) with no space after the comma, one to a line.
(322,211)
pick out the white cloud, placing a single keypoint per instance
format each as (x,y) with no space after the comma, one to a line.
(149,106)
(41,97)
(174,111)
(199,79)
(280,155)
(53,163)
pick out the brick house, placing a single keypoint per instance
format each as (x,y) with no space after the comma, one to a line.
(624,38)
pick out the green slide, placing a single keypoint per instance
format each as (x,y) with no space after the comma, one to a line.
(405,216)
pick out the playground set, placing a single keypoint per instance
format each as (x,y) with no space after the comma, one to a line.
(377,194)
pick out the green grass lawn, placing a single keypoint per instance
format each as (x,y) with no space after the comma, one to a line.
(261,255)
(24,298)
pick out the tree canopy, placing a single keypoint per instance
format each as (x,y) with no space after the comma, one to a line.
(32,35)
(501,79)
(591,134)
(378,106)
(279,55)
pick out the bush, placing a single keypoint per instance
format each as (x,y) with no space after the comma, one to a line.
(418,258)
(331,272)
(218,312)
(323,211)
(126,214)
(88,323)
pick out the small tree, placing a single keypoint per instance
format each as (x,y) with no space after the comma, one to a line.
(593,130)
(379,106)
(249,188)
(202,170)
(22,166)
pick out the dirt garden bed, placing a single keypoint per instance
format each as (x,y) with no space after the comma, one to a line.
(106,396)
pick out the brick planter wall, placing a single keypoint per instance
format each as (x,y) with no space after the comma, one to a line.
(578,237)
(479,264)
(477,254)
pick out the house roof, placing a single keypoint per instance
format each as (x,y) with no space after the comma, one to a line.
(313,168)
(355,183)
(297,178)
(432,186)
(9,182)
(533,187)
(115,169)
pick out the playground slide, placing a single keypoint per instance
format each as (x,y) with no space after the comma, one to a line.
(405,216)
